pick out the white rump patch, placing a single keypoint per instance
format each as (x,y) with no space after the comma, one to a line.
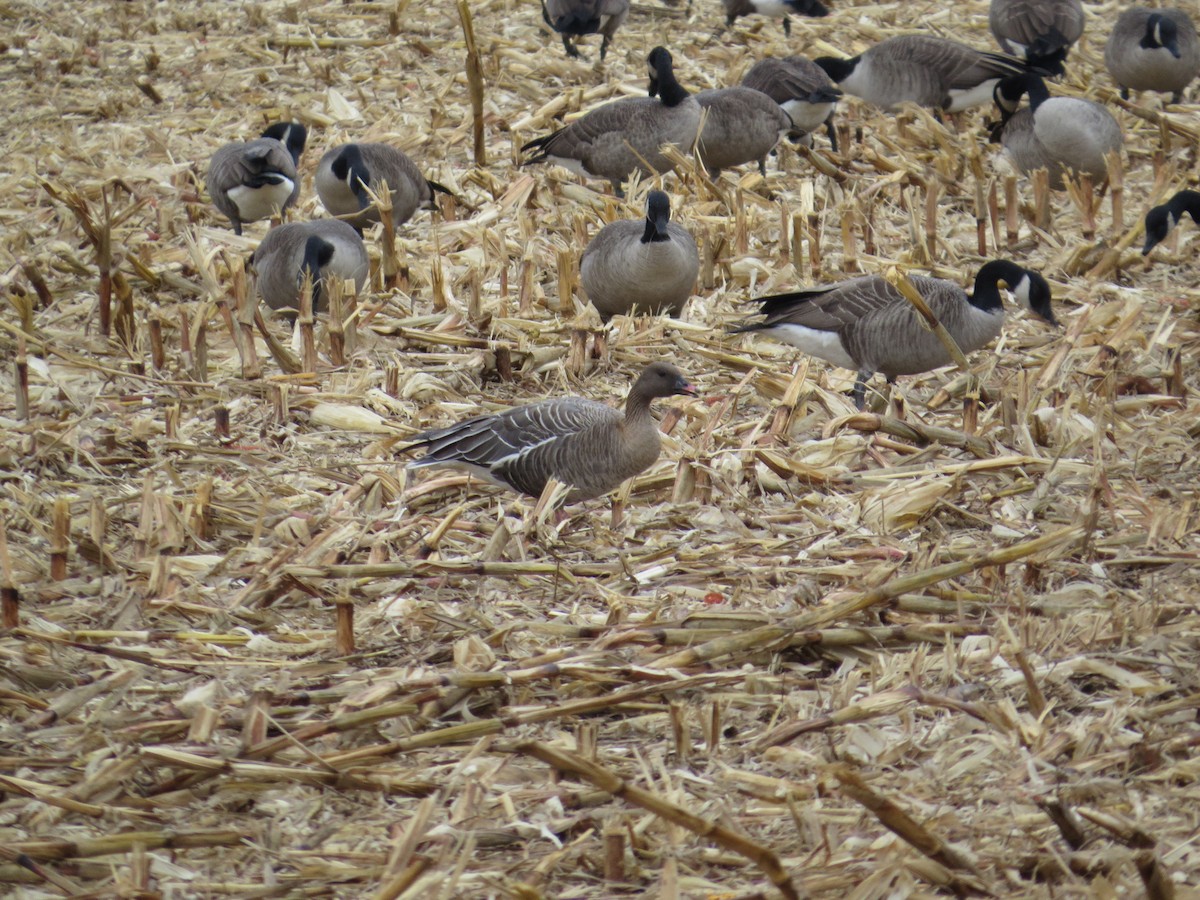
(571,165)
(823,344)
(261,203)
(771,7)
(807,116)
(965,99)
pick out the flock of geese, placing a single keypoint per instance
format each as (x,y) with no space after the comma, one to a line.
(650,265)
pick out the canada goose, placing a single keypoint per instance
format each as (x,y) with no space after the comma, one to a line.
(740,125)
(646,265)
(325,248)
(1161,219)
(928,71)
(779,9)
(616,139)
(1041,31)
(252,181)
(867,325)
(588,445)
(1055,133)
(573,18)
(345,174)
(804,90)
(1153,50)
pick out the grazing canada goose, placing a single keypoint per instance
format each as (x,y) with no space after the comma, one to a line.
(740,125)
(1041,31)
(928,71)
(252,181)
(325,248)
(347,175)
(1153,50)
(1055,133)
(779,9)
(587,445)
(574,18)
(645,265)
(618,138)
(1161,219)
(806,93)
(867,325)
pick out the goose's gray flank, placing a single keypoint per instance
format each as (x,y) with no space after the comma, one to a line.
(867,325)
(348,174)
(254,180)
(802,88)
(1059,134)
(1041,31)
(740,125)
(1161,219)
(641,265)
(1153,50)
(322,249)
(928,71)
(780,9)
(575,18)
(624,136)
(588,445)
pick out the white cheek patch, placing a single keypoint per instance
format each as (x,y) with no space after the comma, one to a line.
(826,345)
(1021,291)
(262,202)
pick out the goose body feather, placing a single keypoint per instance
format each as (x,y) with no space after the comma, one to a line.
(575,18)
(254,180)
(343,171)
(588,445)
(778,9)
(279,261)
(803,90)
(1153,50)
(740,125)
(1036,29)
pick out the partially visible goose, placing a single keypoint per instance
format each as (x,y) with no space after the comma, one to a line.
(867,325)
(928,71)
(1055,133)
(1153,50)
(741,125)
(1161,219)
(624,136)
(779,9)
(645,265)
(255,180)
(806,93)
(322,249)
(587,445)
(1041,31)
(574,18)
(345,173)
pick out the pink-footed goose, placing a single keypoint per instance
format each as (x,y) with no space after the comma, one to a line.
(867,325)
(588,445)
(249,181)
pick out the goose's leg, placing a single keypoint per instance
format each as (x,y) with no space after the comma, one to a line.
(832,132)
(860,389)
(570,48)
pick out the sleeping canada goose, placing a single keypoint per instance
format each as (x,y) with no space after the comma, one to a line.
(347,175)
(641,265)
(322,249)
(806,93)
(1153,50)
(255,180)
(1055,133)
(588,445)
(928,71)
(1161,219)
(740,125)
(867,325)
(573,18)
(779,9)
(623,136)
(1041,31)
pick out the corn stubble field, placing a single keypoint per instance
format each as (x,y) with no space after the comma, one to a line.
(811,651)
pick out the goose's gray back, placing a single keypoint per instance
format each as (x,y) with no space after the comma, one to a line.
(1064,134)
(233,165)
(924,70)
(409,188)
(789,82)
(1017,24)
(621,274)
(1141,69)
(280,256)
(585,444)
(740,125)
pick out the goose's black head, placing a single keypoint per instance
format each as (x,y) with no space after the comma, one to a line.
(837,69)
(292,135)
(658,217)
(349,167)
(1159,222)
(1161,32)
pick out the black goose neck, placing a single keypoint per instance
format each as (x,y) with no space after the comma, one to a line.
(1186,202)
(670,91)
(986,295)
